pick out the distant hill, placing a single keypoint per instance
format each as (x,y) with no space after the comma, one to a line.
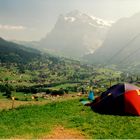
(15,53)
(122,45)
(75,34)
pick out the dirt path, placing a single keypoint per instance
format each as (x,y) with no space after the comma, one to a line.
(62,133)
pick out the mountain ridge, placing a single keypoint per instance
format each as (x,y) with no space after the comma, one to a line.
(16,53)
(121,44)
(76,34)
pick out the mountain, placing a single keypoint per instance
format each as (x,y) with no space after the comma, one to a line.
(122,44)
(76,34)
(15,53)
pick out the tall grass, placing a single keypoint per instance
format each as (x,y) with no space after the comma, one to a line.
(37,121)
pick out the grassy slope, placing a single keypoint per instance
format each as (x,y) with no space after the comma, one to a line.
(15,53)
(37,121)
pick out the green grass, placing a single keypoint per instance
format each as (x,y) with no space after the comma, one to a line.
(37,121)
(21,95)
(64,86)
(18,95)
(1,95)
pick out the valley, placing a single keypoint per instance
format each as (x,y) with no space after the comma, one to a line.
(53,59)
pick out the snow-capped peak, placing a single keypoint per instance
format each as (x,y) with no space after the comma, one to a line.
(76,34)
(70,19)
(102,22)
(85,18)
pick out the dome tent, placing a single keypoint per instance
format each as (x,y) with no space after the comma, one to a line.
(120,99)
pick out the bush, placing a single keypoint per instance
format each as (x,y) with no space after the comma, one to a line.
(73,89)
(8,93)
(57,92)
(66,91)
(2,88)
(16,98)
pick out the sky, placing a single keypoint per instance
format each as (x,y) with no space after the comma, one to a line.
(31,20)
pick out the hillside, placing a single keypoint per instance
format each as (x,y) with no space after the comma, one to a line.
(47,70)
(121,45)
(15,53)
(41,122)
(32,68)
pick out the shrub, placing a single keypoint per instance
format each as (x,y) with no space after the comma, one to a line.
(57,92)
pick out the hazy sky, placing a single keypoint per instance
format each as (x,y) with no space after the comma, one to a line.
(33,19)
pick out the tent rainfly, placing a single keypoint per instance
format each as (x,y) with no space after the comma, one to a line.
(120,99)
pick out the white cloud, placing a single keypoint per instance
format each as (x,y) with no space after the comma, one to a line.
(12,27)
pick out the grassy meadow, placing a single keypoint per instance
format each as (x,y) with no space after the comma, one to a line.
(37,121)
(39,118)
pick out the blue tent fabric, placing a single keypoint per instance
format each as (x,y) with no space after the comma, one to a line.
(91,95)
(85,102)
(115,91)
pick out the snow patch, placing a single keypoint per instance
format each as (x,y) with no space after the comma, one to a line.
(70,19)
(102,22)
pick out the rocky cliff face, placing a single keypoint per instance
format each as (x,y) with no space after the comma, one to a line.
(122,44)
(76,34)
